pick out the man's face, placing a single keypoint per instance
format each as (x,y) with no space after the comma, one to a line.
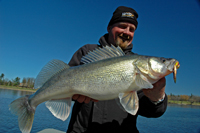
(121,34)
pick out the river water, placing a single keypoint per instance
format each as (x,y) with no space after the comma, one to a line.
(177,119)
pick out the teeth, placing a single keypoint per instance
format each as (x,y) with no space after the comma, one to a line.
(124,36)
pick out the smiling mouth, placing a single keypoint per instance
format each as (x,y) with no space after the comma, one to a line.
(124,37)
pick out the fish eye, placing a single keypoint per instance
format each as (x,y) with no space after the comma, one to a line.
(163,60)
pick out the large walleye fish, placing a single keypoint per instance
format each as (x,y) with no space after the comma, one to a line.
(106,74)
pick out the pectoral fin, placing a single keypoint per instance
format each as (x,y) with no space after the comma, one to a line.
(59,108)
(129,101)
(141,80)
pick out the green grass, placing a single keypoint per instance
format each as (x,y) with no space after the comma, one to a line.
(17,88)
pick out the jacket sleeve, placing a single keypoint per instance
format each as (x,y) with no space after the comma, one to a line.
(149,109)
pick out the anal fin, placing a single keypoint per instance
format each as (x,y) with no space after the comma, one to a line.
(59,108)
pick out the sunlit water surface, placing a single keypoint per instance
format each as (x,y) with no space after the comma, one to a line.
(177,119)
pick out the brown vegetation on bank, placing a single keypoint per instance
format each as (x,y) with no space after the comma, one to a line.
(184,99)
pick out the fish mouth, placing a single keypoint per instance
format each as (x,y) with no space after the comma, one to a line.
(176,66)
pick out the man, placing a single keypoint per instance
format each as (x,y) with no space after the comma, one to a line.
(92,116)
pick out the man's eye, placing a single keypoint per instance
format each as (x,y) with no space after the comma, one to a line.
(132,29)
(122,26)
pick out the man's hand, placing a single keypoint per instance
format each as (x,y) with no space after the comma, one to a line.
(81,98)
(157,92)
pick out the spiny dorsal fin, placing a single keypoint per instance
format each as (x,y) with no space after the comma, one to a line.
(102,53)
(48,71)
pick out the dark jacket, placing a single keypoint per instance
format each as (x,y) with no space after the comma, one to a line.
(107,116)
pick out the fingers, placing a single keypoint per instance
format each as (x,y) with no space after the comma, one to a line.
(87,99)
(75,97)
(157,91)
(94,100)
(159,85)
(81,98)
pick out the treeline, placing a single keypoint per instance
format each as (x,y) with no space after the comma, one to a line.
(26,82)
(192,98)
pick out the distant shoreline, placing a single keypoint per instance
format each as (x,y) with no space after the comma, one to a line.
(34,90)
(182,104)
(17,88)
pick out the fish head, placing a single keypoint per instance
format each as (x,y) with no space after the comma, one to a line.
(161,67)
(157,67)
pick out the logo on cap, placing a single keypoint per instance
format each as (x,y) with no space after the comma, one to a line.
(127,14)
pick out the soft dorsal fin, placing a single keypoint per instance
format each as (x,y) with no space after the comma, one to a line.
(49,70)
(102,53)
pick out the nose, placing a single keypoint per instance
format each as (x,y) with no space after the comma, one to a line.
(126,31)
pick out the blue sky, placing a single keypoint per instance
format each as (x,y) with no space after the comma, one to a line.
(34,32)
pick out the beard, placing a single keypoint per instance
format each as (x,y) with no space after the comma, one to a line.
(122,41)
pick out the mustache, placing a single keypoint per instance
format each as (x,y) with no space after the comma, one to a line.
(124,36)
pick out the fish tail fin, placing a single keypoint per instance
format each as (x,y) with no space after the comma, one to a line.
(25,113)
